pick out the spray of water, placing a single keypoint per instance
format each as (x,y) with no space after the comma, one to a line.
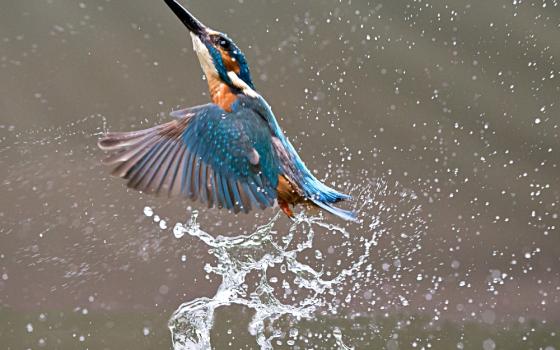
(269,247)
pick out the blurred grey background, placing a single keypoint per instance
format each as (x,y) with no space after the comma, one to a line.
(455,101)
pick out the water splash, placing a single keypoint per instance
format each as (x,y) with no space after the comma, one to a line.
(266,249)
(238,256)
(337,333)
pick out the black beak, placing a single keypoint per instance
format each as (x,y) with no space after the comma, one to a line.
(190,21)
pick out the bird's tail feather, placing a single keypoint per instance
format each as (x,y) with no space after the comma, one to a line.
(324,197)
(347,215)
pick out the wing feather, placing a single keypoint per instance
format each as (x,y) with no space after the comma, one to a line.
(141,168)
(206,153)
(149,182)
(218,190)
(247,203)
(186,188)
(163,177)
(225,191)
(213,189)
(237,202)
(196,175)
(175,188)
(131,158)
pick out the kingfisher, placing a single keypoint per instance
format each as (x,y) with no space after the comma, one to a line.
(230,153)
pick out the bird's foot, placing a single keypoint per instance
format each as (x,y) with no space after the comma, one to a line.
(285,206)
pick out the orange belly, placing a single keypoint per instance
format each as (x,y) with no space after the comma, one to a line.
(288,194)
(222,95)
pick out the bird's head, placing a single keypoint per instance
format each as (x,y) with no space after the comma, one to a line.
(219,57)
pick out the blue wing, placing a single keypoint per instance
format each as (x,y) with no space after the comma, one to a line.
(224,159)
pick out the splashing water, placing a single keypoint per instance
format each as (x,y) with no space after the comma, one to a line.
(237,256)
(263,250)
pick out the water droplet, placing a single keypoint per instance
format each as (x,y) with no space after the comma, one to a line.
(148,211)
(179,230)
(455,264)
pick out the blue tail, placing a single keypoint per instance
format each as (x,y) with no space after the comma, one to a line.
(324,197)
(347,215)
(314,190)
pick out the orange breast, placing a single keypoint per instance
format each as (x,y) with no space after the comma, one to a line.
(222,95)
(287,192)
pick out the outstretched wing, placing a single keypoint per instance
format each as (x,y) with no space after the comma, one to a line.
(224,159)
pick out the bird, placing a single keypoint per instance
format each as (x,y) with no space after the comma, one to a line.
(230,153)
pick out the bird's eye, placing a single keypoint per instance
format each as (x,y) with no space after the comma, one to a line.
(224,43)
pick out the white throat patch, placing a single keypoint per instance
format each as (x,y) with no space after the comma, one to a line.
(237,81)
(204,57)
